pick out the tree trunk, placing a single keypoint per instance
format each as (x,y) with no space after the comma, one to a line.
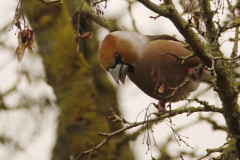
(83,91)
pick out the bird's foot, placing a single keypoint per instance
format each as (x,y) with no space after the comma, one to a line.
(161,106)
(192,73)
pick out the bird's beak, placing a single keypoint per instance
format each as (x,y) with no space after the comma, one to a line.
(119,72)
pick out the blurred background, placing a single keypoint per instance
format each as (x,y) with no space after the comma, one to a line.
(55,101)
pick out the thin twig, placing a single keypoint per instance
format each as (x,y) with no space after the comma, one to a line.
(131,15)
(235,46)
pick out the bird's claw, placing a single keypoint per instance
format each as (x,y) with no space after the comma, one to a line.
(192,73)
(161,106)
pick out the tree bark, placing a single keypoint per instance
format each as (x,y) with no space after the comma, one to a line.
(83,91)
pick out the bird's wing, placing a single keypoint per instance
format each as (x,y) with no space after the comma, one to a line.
(169,38)
(159,68)
(162,37)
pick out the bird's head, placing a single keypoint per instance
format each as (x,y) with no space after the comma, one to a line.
(119,53)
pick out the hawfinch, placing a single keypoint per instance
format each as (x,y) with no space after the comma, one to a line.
(153,63)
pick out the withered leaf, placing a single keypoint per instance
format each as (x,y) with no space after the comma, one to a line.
(25,40)
(24,36)
(31,43)
(20,52)
(21,47)
(86,35)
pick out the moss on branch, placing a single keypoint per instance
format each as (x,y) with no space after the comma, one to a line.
(227,87)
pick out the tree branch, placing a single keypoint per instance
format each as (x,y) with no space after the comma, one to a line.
(227,89)
(207,17)
(131,15)
(51,1)
(106,24)
(159,117)
(235,46)
(161,10)
(214,124)
(169,11)
(230,24)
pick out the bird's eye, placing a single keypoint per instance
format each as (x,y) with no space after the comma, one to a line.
(117,58)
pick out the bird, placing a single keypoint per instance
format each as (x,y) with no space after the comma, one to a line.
(160,65)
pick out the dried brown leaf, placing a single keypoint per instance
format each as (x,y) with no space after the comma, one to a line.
(25,40)
(20,52)
(19,39)
(24,36)
(86,35)
(31,43)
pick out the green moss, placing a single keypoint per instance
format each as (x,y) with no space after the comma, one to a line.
(83,97)
(170,8)
(185,26)
(197,13)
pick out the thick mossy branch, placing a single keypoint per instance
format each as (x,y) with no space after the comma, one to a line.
(227,87)
(228,92)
